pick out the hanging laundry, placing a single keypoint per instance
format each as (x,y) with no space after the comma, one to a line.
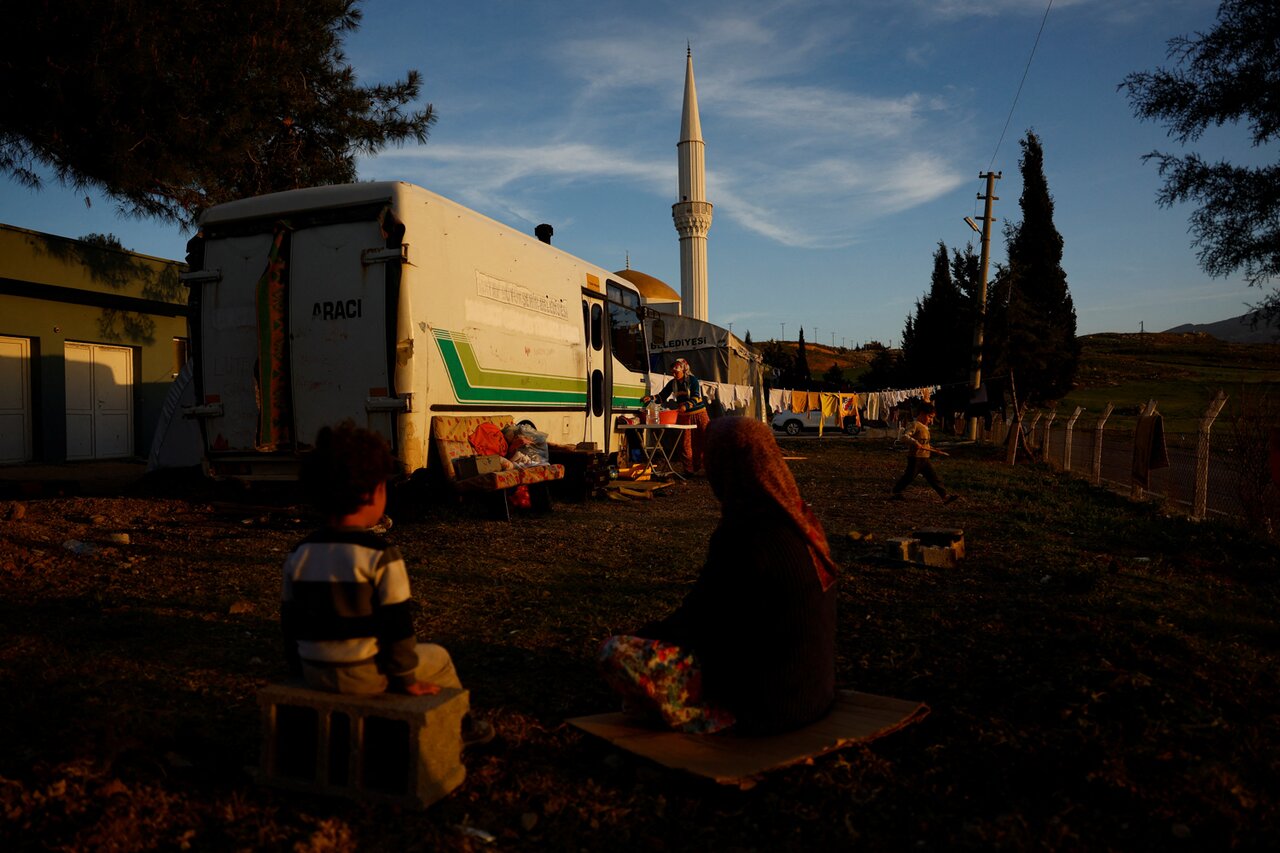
(1149,451)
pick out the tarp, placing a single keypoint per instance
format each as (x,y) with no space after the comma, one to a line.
(177,442)
(713,353)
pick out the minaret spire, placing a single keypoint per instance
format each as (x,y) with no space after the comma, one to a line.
(692,213)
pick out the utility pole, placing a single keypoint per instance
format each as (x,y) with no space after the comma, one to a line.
(980,318)
(784,331)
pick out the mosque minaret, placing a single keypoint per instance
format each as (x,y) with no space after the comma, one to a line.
(692,213)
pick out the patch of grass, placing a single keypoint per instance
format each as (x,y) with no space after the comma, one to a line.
(1181,372)
(1101,675)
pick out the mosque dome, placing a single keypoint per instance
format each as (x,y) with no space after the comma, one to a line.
(652,289)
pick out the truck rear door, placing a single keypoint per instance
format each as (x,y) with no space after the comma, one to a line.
(338,314)
(229,336)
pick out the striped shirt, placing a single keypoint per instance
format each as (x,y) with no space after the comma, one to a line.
(345,602)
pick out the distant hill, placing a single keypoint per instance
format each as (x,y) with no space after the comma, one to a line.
(1236,331)
(820,357)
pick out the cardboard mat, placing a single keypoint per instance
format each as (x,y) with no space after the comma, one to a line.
(855,718)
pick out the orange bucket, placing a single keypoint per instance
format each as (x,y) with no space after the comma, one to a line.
(668,416)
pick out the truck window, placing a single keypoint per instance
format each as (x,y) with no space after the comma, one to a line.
(626,330)
(597,328)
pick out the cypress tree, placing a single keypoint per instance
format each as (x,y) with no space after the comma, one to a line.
(802,362)
(935,340)
(1042,351)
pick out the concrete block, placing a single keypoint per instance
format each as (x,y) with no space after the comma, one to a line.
(939,556)
(387,747)
(944,537)
(903,549)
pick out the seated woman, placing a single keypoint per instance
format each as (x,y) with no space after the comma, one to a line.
(753,645)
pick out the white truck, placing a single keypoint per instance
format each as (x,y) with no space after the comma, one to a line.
(385,304)
(793,424)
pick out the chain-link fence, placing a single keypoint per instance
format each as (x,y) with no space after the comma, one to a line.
(1215,471)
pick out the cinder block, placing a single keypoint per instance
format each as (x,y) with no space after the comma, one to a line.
(945,537)
(936,555)
(389,747)
(903,549)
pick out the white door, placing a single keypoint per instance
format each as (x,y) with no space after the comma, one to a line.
(15,399)
(338,328)
(229,325)
(99,401)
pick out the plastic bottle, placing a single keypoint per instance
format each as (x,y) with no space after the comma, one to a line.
(651,413)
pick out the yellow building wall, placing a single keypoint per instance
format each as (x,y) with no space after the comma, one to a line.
(55,290)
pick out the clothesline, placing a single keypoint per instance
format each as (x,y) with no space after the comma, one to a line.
(782,399)
(730,396)
(868,404)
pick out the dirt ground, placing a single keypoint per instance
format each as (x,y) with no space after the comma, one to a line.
(1101,676)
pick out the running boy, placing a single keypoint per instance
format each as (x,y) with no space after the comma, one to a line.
(919,449)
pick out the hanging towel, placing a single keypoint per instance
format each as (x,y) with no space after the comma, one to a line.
(830,405)
(849,408)
(1149,451)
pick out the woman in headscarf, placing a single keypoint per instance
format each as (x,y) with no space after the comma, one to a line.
(684,394)
(753,644)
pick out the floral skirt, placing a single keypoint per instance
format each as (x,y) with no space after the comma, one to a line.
(653,676)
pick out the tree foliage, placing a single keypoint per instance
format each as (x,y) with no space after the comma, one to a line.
(106,241)
(802,374)
(938,336)
(884,371)
(171,107)
(1040,346)
(1229,75)
(779,363)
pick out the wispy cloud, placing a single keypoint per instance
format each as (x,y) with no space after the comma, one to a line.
(793,155)
(994,8)
(497,177)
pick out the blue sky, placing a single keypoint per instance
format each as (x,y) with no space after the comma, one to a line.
(844,140)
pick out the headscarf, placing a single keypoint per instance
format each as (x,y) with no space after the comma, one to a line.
(684,364)
(747,473)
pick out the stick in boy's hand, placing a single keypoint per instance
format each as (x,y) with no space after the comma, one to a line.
(422,688)
(933,449)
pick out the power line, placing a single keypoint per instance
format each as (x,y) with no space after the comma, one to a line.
(1025,71)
